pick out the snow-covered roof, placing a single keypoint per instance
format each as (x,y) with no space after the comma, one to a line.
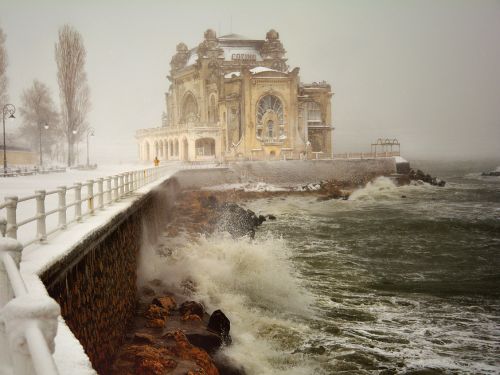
(234,37)
(230,75)
(256,70)
(260,69)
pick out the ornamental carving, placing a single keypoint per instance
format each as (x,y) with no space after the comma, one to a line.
(180,59)
(272,49)
(210,46)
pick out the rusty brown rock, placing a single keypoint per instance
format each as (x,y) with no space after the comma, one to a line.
(192,308)
(190,318)
(145,360)
(156,323)
(166,302)
(156,312)
(183,349)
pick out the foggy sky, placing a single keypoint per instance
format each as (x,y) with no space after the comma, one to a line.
(425,72)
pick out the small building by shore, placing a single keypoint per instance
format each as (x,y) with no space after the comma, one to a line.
(234,98)
(18,156)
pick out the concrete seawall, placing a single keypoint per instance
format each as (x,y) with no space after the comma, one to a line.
(95,283)
(289,173)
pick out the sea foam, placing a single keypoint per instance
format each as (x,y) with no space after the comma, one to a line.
(252,281)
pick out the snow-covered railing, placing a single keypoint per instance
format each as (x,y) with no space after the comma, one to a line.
(99,193)
(28,322)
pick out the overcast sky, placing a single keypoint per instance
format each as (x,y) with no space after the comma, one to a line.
(426,72)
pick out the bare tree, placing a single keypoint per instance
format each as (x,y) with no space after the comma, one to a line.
(38,111)
(73,88)
(3,70)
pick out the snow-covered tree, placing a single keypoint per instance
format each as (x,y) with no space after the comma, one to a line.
(38,111)
(73,88)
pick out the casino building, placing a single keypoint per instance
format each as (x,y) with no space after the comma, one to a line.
(233,98)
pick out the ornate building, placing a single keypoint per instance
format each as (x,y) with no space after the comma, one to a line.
(233,98)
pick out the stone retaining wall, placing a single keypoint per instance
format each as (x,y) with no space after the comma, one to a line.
(96,287)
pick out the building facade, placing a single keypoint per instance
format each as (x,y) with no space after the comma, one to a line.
(233,98)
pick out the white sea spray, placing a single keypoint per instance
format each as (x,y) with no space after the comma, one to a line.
(252,281)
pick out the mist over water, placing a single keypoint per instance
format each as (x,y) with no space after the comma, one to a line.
(396,280)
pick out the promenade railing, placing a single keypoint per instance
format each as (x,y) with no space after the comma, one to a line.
(28,321)
(93,195)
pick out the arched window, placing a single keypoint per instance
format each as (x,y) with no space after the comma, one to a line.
(212,110)
(205,147)
(270,117)
(189,109)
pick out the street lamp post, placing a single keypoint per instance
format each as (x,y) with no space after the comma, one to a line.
(8,109)
(90,132)
(75,132)
(46,127)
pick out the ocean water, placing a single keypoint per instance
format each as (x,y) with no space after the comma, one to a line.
(395,280)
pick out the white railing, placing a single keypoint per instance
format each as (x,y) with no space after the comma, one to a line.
(99,193)
(366,155)
(28,322)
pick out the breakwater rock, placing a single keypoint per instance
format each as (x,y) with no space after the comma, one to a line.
(198,212)
(491,174)
(168,339)
(418,175)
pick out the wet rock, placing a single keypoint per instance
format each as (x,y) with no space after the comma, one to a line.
(183,349)
(156,323)
(144,360)
(421,176)
(192,308)
(236,220)
(262,218)
(271,217)
(491,174)
(205,339)
(226,366)
(220,324)
(191,318)
(166,302)
(143,338)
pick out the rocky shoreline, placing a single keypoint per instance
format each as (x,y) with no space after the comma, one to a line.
(167,338)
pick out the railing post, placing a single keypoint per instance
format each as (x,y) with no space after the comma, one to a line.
(144,177)
(62,206)
(78,202)
(125,183)
(100,194)
(108,190)
(121,188)
(90,196)
(41,229)
(116,194)
(132,181)
(11,209)
(13,248)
